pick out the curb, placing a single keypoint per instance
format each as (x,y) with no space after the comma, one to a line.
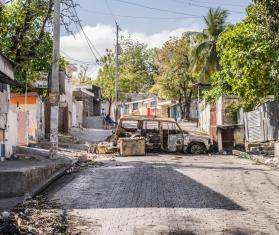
(51,179)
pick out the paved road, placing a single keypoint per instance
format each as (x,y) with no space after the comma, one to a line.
(172,195)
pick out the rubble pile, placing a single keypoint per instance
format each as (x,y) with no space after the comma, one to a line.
(103,148)
(85,160)
(34,216)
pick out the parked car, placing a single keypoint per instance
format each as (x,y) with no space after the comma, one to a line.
(162,134)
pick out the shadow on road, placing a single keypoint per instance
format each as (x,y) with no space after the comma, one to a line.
(137,185)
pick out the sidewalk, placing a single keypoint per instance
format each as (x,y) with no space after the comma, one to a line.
(91,135)
(28,176)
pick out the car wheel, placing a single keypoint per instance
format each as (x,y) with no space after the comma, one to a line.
(197,148)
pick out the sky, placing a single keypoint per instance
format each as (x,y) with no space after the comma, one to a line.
(149,21)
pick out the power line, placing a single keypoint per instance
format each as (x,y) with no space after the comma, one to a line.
(110,11)
(79,61)
(139,17)
(190,3)
(89,43)
(155,8)
(220,4)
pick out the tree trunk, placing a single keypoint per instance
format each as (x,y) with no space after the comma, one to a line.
(110,104)
(187,105)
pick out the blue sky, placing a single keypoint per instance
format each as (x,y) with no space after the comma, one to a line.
(90,11)
(149,26)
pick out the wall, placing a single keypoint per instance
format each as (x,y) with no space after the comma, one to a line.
(223,113)
(12,132)
(77,114)
(204,117)
(17,127)
(35,109)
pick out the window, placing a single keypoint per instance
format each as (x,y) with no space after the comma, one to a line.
(130,124)
(150,125)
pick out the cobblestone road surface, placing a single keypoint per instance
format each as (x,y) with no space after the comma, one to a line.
(172,195)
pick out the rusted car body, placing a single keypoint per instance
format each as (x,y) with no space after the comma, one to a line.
(161,134)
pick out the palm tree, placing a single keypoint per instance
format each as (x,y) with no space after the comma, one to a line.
(206,57)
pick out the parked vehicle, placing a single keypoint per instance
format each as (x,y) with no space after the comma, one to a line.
(162,134)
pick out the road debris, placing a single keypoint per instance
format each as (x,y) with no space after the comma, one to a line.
(103,148)
(34,216)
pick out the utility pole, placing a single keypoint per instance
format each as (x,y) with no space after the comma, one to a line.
(117,52)
(54,95)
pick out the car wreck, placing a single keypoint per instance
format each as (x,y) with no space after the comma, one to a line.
(160,135)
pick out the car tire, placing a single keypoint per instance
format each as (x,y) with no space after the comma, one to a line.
(197,148)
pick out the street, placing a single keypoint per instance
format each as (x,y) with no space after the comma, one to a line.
(171,194)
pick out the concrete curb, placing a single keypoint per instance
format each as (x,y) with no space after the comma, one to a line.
(51,179)
(15,200)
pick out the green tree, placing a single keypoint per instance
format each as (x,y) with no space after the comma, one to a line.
(267,16)
(206,57)
(175,80)
(25,37)
(137,67)
(106,78)
(136,71)
(247,61)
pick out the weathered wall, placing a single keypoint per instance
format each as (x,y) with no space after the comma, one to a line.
(35,109)
(12,132)
(204,117)
(223,113)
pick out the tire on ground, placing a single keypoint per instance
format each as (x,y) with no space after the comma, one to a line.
(197,148)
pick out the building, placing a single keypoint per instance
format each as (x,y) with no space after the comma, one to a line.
(89,98)
(222,123)
(145,107)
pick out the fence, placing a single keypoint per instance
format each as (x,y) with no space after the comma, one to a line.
(262,124)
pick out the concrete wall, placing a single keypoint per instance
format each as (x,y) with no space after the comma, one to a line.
(17,129)
(222,111)
(77,114)
(35,120)
(12,132)
(204,117)
(93,122)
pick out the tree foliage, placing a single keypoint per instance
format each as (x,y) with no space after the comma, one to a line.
(267,16)
(206,56)
(136,67)
(106,77)
(247,61)
(25,37)
(175,80)
(136,70)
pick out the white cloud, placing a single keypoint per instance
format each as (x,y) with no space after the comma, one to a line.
(103,37)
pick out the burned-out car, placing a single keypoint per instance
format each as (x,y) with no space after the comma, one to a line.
(161,134)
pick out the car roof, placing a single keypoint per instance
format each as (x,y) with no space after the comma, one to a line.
(145,118)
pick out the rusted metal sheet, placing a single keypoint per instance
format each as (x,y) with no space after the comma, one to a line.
(271,120)
(3,121)
(4,103)
(262,124)
(132,146)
